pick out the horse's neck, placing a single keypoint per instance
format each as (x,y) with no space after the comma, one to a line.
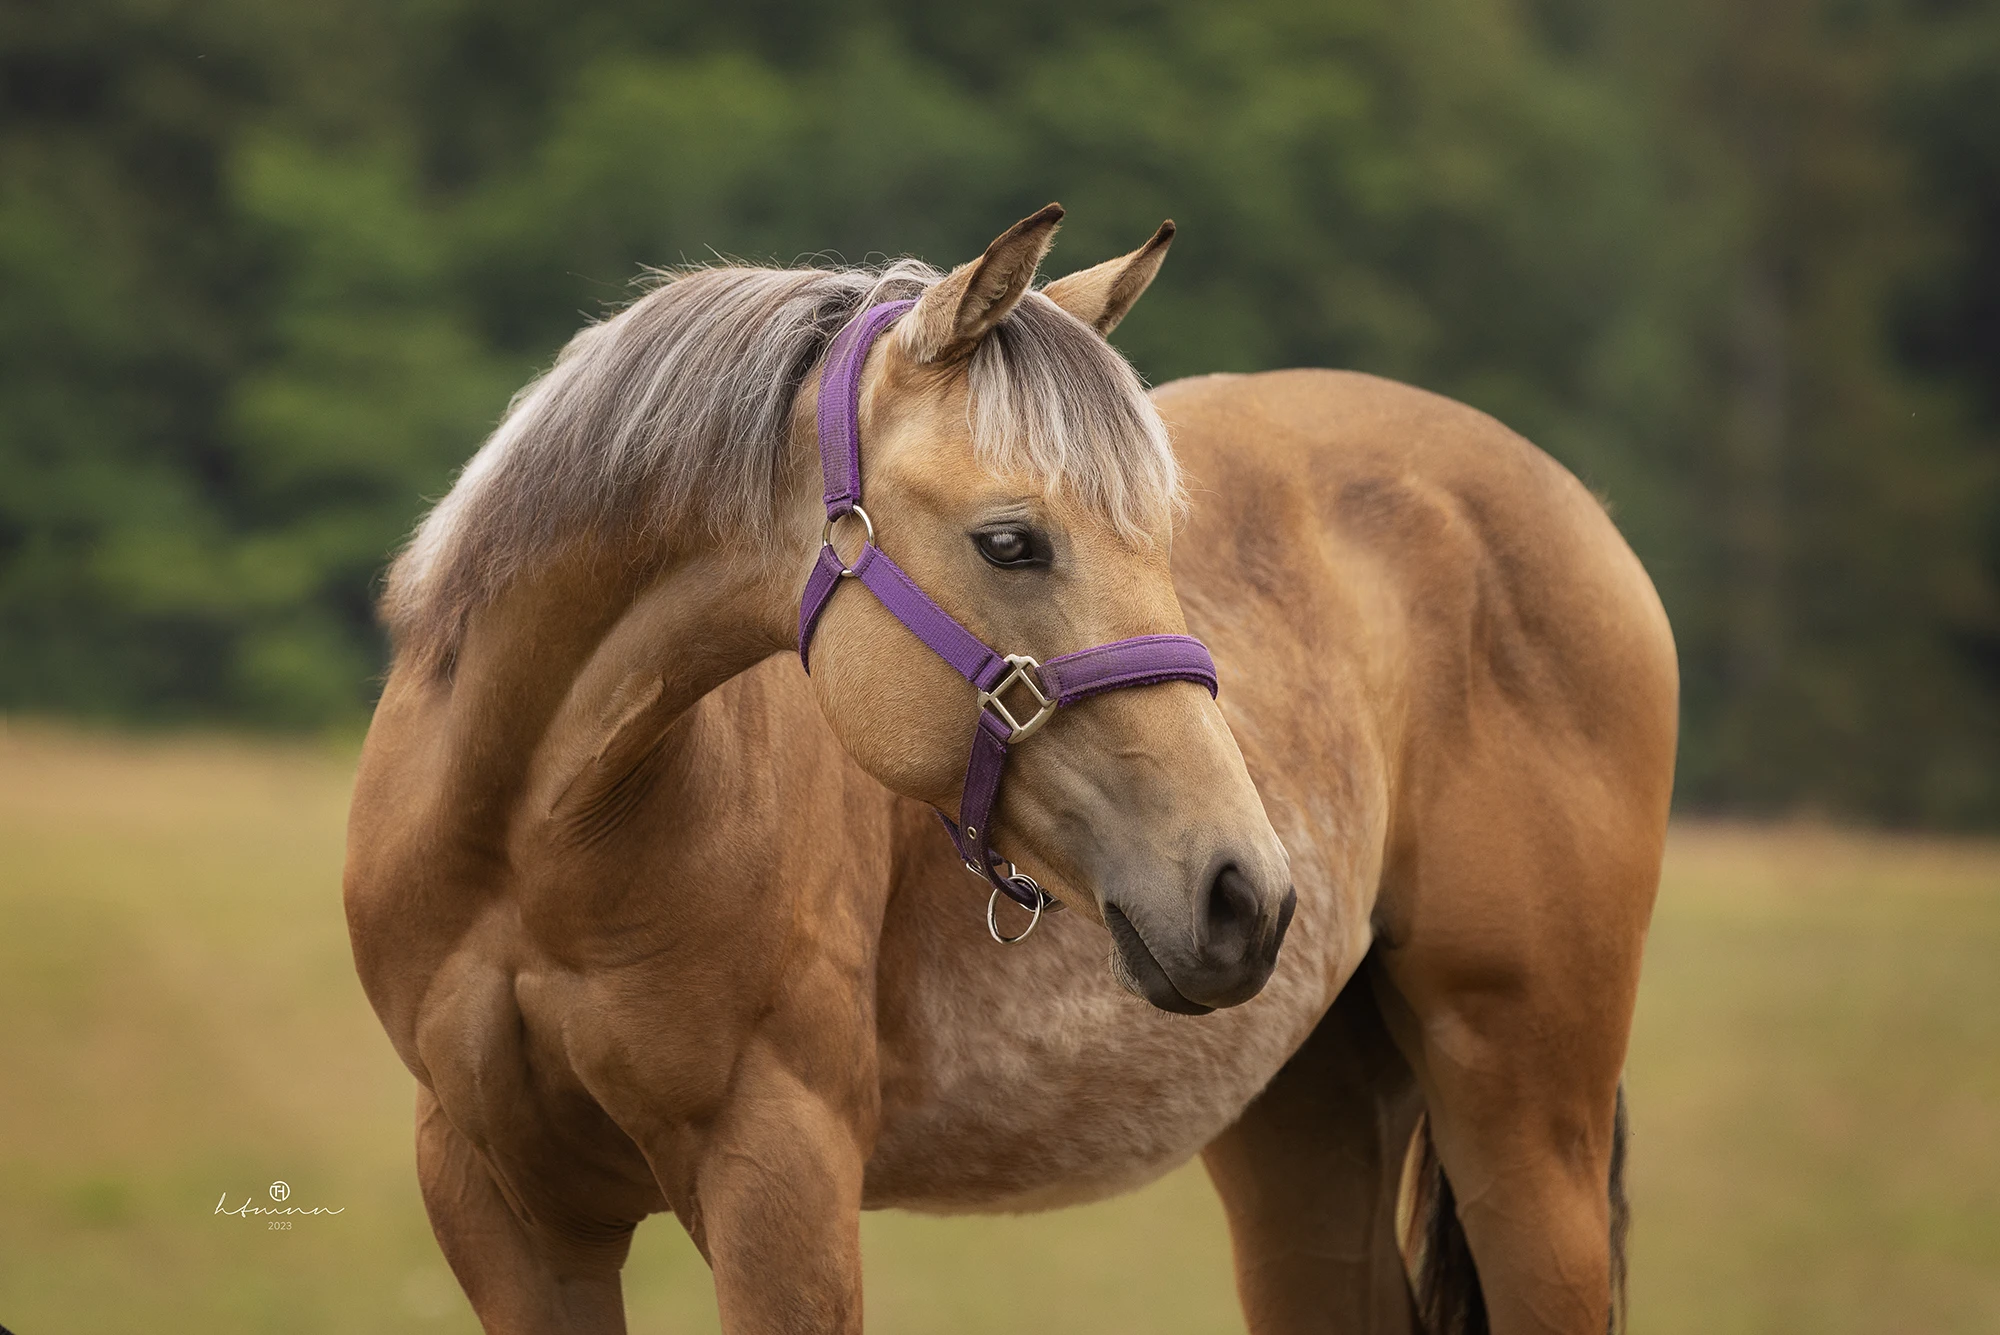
(579,673)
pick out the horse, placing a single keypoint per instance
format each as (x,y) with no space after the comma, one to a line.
(1348,899)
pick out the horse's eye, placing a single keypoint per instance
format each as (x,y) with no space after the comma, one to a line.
(1006,547)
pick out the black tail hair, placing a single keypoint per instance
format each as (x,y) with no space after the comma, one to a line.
(1621,1215)
(1449,1300)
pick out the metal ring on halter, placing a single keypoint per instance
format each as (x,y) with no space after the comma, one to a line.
(992,900)
(868,535)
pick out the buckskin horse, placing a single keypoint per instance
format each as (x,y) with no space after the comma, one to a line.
(773,569)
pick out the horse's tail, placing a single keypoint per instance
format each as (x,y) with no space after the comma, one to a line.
(1621,1215)
(1446,1281)
(1449,1301)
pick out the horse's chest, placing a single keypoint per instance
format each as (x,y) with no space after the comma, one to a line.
(1027,1078)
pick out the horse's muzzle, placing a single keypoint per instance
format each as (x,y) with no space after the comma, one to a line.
(1223,956)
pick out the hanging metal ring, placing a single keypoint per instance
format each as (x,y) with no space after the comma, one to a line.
(993,900)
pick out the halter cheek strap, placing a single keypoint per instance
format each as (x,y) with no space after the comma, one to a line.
(1006,683)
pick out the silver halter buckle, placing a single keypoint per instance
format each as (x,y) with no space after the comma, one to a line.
(1019,668)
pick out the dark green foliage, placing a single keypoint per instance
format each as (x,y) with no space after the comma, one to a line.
(268,272)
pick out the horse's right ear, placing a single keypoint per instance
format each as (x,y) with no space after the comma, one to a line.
(950,319)
(1100,296)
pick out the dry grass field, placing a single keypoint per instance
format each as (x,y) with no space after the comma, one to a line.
(1814,1081)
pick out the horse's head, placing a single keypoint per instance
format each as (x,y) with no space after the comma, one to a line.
(1013,465)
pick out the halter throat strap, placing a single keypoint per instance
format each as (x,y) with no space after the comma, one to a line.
(1007,684)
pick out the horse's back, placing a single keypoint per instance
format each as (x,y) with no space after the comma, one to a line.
(1449,560)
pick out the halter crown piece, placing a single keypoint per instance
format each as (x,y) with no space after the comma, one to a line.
(1143,660)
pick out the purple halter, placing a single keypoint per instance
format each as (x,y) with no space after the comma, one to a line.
(1144,660)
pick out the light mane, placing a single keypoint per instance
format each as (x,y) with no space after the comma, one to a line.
(676,412)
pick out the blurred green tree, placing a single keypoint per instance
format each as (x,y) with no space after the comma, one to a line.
(267,274)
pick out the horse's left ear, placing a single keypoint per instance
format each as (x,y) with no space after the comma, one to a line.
(1100,296)
(956,312)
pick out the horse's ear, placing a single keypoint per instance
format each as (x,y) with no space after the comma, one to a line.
(1099,296)
(951,318)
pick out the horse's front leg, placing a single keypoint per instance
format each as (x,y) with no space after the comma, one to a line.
(541,1270)
(777,1203)
(1309,1177)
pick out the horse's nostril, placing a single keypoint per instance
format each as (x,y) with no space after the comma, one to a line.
(1232,910)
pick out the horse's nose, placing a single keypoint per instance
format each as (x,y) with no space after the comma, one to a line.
(1223,956)
(1229,916)
(1240,932)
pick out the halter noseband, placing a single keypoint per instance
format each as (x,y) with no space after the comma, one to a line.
(1143,660)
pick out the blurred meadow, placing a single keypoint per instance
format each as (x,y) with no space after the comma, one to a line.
(1815,1101)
